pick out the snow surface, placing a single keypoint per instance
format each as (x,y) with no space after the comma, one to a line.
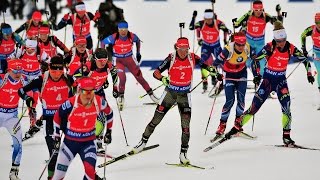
(237,159)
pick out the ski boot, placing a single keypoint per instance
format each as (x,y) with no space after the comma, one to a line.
(220,131)
(13,175)
(183,156)
(142,144)
(287,139)
(153,97)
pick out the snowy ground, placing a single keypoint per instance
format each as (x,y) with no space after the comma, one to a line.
(245,159)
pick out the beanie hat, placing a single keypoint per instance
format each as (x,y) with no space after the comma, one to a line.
(240,38)
(56,62)
(123,25)
(100,53)
(182,42)
(279,32)
(31,43)
(6,29)
(257,5)
(81,40)
(15,64)
(36,16)
(44,29)
(208,14)
(80,8)
(86,82)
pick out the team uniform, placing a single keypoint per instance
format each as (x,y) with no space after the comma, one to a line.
(78,124)
(81,25)
(255,29)
(50,45)
(234,66)
(32,69)
(76,60)
(178,86)
(9,112)
(31,28)
(8,42)
(123,58)
(274,79)
(314,32)
(52,95)
(209,39)
(100,75)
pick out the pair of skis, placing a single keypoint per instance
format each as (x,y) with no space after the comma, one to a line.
(131,153)
(217,142)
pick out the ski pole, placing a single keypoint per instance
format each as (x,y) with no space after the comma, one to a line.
(104,161)
(214,102)
(16,127)
(181,26)
(255,90)
(151,91)
(124,132)
(47,164)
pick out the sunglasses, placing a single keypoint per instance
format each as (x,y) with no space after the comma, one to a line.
(87,92)
(102,59)
(16,71)
(281,40)
(317,22)
(123,29)
(258,10)
(239,44)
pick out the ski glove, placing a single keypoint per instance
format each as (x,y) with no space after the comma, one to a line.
(165,80)
(305,52)
(105,84)
(278,8)
(138,56)
(29,101)
(200,42)
(310,78)
(97,15)
(65,17)
(257,79)
(195,13)
(220,77)
(57,142)
(115,92)
(212,70)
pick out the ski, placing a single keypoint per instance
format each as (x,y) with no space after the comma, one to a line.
(245,135)
(295,146)
(186,165)
(216,144)
(123,156)
(239,134)
(216,137)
